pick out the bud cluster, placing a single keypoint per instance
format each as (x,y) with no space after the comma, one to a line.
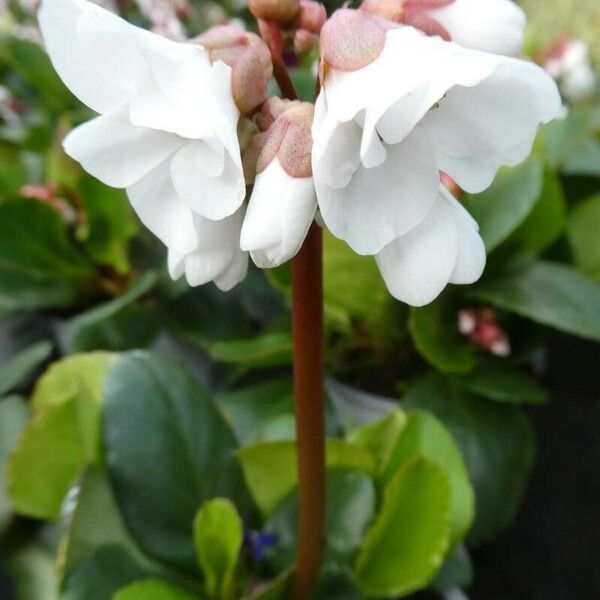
(482,328)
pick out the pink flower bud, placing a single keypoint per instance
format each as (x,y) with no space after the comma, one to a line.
(249,59)
(311,16)
(279,11)
(352,39)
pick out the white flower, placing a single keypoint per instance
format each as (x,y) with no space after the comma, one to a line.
(570,65)
(444,248)
(283,202)
(397,107)
(217,255)
(496,26)
(167,130)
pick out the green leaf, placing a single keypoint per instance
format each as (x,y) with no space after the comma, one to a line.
(18,367)
(13,173)
(497,445)
(456,572)
(585,160)
(507,202)
(79,377)
(218,538)
(93,521)
(267,349)
(153,589)
(380,437)
(409,538)
(352,287)
(255,412)
(13,416)
(350,509)
(99,577)
(500,381)
(270,468)
(276,589)
(547,293)
(32,571)
(435,334)
(582,232)
(162,433)
(111,222)
(115,325)
(39,266)
(425,436)
(45,461)
(547,220)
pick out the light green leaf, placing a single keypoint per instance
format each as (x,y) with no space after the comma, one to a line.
(267,349)
(32,570)
(45,461)
(270,468)
(507,202)
(218,538)
(582,232)
(13,371)
(497,445)
(425,436)
(409,538)
(435,334)
(13,416)
(168,450)
(547,293)
(153,589)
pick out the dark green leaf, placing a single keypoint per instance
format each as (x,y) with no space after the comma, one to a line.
(407,542)
(276,589)
(496,442)
(507,203)
(153,589)
(267,349)
(456,572)
(32,571)
(548,293)
(18,367)
(161,432)
(582,233)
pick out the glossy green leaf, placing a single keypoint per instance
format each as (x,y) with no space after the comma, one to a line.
(547,220)
(39,265)
(350,506)
(507,202)
(267,349)
(167,451)
(435,334)
(409,538)
(99,577)
(13,416)
(45,461)
(13,371)
(582,233)
(270,468)
(153,589)
(502,382)
(547,293)
(497,445)
(92,521)
(425,436)
(218,538)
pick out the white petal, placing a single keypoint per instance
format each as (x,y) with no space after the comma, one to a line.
(235,273)
(477,129)
(175,264)
(161,210)
(417,266)
(380,204)
(213,197)
(280,212)
(116,152)
(496,26)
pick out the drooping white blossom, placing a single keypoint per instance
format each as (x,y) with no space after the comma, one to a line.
(381,140)
(167,124)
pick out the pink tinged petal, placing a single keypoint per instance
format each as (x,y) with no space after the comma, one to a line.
(417,266)
(380,204)
(162,211)
(209,181)
(116,152)
(477,129)
(279,214)
(496,26)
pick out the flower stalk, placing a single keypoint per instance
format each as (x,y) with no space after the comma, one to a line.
(307,315)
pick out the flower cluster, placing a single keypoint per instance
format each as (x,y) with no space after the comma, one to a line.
(219,172)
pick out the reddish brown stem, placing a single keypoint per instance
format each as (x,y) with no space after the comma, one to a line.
(307,315)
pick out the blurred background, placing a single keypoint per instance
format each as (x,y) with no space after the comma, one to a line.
(511,365)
